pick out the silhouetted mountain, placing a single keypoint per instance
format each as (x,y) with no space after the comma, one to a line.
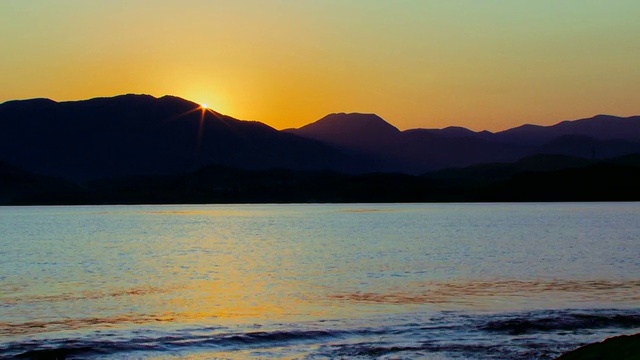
(411,151)
(140,135)
(460,132)
(600,127)
(588,147)
(365,131)
(143,135)
(364,136)
(419,150)
(492,172)
(430,151)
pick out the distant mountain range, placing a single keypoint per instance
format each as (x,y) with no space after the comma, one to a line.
(420,150)
(86,149)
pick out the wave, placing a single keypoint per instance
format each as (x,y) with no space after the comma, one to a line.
(114,343)
(564,321)
(540,334)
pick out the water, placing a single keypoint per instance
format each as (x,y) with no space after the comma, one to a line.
(382,281)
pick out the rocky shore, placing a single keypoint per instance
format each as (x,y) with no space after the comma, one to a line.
(624,347)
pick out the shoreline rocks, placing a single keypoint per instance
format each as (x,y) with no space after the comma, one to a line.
(623,347)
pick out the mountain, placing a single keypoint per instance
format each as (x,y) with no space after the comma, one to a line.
(503,171)
(143,135)
(355,130)
(364,136)
(599,127)
(588,147)
(410,151)
(453,132)
(419,150)
(430,150)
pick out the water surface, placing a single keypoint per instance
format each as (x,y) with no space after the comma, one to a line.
(433,281)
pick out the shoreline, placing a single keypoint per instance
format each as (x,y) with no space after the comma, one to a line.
(621,347)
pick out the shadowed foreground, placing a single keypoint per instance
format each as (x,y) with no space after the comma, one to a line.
(538,178)
(616,348)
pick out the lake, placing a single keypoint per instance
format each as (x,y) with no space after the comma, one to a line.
(316,281)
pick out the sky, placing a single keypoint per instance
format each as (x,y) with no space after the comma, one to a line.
(481,64)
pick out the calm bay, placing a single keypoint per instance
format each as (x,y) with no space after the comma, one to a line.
(317,281)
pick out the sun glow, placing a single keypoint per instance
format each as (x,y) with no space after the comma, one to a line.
(204,106)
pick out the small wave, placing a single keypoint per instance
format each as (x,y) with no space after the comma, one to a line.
(452,348)
(81,348)
(265,337)
(369,350)
(541,334)
(563,320)
(63,353)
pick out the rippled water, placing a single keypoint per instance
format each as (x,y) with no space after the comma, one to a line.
(431,281)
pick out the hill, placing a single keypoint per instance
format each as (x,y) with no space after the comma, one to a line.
(418,150)
(599,127)
(142,135)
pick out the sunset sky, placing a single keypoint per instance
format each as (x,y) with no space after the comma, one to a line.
(482,64)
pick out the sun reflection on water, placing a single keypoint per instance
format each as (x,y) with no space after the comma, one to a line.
(122,267)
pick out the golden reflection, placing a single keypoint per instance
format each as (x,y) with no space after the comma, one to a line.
(225,313)
(212,284)
(223,300)
(233,297)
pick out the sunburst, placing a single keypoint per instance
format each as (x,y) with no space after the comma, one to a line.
(202,109)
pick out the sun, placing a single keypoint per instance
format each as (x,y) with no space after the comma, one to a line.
(204,106)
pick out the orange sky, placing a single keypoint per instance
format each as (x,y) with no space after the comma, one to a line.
(487,64)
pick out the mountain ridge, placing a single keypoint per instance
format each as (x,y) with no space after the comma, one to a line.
(346,128)
(139,134)
(143,135)
(419,149)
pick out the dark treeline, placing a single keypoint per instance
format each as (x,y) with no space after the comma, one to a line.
(537,178)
